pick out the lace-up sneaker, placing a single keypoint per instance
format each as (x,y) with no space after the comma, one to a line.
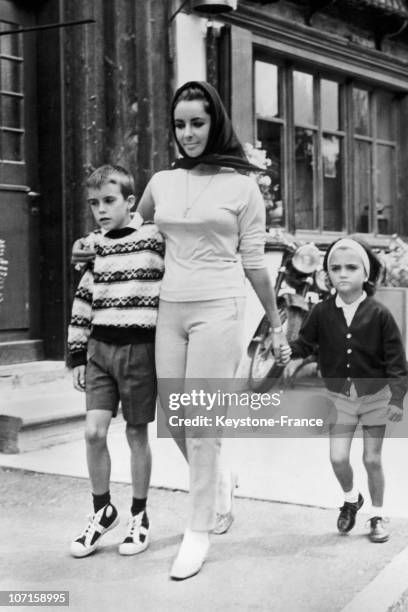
(99,523)
(137,537)
(347,516)
(378,531)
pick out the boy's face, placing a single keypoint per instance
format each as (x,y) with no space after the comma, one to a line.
(347,274)
(109,208)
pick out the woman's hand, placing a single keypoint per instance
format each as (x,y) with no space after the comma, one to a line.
(280,346)
(81,252)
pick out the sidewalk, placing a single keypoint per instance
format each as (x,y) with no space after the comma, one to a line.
(275,557)
(278,555)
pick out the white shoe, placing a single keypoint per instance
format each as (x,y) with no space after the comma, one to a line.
(137,537)
(191,555)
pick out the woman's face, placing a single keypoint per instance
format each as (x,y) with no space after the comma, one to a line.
(192,126)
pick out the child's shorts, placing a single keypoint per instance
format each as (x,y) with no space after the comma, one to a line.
(124,373)
(369,410)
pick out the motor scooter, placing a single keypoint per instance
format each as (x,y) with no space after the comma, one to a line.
(300,283)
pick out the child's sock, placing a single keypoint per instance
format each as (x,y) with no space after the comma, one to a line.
(138,505)
(376,511)
(351,496)
(99,501)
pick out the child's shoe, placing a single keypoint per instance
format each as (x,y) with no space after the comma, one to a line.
(137,537)
(347,516)
(99,523)
(378,531)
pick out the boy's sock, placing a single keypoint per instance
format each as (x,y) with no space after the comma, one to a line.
(138,505)
(351,496)
(99,501)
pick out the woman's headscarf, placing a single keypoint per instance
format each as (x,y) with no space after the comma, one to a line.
(223,147)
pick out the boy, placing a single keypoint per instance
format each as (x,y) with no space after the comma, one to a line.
(111,349)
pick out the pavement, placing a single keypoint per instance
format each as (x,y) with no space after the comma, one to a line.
(282,553)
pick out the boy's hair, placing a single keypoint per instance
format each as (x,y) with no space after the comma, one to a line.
(112,174)
(375,265)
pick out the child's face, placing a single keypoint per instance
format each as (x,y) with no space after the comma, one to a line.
(347,274)
(109,207)
(192,126)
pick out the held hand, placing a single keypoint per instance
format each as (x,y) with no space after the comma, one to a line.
(81,252)
(78,377)
(285,353)
(394,413)
(280,347)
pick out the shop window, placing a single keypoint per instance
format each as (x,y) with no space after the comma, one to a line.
(333,142)
(303,98)
(269,112)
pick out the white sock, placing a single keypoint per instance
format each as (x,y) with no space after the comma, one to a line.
(351,496)
(376,511)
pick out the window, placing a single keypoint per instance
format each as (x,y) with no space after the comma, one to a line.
(11,95)
(333,142)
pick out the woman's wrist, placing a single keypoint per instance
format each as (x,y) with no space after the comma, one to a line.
(277,330)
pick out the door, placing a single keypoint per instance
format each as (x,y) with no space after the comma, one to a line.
(19,200)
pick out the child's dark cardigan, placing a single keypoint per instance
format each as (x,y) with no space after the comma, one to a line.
(369,353)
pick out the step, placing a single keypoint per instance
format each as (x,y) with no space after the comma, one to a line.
(17,351)
(34,395)
(23,375)
(44,408)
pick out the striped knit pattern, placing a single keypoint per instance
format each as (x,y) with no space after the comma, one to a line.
(122,288)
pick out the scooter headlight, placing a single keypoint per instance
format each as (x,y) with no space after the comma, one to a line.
(306,258)
(321,280)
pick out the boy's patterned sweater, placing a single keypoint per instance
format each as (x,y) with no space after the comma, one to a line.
(118,296)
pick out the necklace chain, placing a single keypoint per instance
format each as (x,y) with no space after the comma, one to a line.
(190,202)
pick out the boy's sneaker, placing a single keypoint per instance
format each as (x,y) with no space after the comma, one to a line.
(99,523)
(137,537)
(378,531)
(347,516)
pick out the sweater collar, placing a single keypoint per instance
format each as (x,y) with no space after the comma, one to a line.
(342,304)
(135,223)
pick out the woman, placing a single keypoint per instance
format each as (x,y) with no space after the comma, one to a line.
(208,214)
(212,217)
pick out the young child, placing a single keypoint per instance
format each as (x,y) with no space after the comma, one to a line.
(111,349)
(362,360)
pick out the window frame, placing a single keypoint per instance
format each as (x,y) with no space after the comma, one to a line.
(345,133)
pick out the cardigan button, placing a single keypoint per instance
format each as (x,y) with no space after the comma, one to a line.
(348,336)
(349,351)
(348,365)
(348,379)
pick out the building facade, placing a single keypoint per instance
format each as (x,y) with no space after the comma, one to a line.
(321,86)
(71,98)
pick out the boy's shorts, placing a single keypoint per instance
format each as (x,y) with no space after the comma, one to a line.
(124,373)
(369,410)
